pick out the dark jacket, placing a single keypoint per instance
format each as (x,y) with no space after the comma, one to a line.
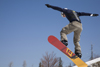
(71,15)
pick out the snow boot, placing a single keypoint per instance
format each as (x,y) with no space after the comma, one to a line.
(79,55)
(65,42)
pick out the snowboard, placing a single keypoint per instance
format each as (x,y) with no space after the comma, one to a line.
(59,45)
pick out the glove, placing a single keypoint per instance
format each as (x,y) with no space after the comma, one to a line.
(95,14)
(48,5)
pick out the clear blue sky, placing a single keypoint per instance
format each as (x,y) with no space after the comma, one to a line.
(26,24)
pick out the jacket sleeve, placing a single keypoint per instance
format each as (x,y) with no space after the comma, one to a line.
(57,8)
(84,14)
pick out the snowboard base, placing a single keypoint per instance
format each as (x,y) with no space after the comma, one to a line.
(59,45)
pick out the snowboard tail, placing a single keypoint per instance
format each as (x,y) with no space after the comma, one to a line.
(59,45)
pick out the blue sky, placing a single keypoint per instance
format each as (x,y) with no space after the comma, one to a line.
(26,24)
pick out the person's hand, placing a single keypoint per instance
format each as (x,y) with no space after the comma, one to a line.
(95,14)
(48,5)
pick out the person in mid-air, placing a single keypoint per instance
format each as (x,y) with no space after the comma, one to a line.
(75,26)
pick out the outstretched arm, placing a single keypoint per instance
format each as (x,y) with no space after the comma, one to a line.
(86,14)
(55,7)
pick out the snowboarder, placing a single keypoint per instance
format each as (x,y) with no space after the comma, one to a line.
(75,26)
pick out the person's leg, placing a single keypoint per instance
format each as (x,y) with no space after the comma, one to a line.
(66,30)
(77,34)
(76,41)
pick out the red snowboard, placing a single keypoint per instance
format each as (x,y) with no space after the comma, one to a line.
(59,45)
